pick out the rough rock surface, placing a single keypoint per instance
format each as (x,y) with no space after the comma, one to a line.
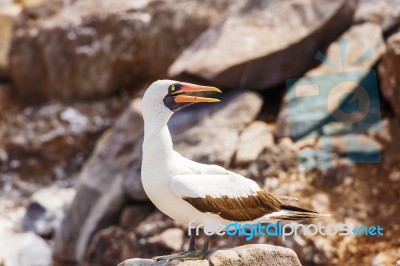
(48,141)
(248,255)
(46,210)
(273,162)
(8,14)
(114,244)
(341,146)
(299,116)
(383,12)
(133,214)
(256,42)
(255,255)
(254,138)
(25,249)
(389,71)
(169,239)
(113,171)
(86,49)
(30,3)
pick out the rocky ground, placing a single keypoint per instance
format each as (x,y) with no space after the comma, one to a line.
(71,78)
(256,254)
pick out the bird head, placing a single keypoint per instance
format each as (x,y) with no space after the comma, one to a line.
(170,95)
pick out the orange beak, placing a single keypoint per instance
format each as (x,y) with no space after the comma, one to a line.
(189,88)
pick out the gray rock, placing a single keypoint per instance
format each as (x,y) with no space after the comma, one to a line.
(260,44)
(171,238)
(252,141)
(46,210)
(89,49)
(356,148)
(146,262)
(383,134)
(343,144)
(256,254)
(394,176)
(100,190)
(93,208)
(8,14)
(25,249)
(133,214)
(138,262)
(320,202)
(7,224)
(113,170)
(146,238)
(309,107)
(273,162)
(247,255)
(387,257)
(52,141)
(383,12)
(389,73)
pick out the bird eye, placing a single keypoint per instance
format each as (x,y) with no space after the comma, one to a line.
(173,87)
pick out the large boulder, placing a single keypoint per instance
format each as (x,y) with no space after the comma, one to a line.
(261,44)
(88,49)
(310,105)
(383,12)
(153,235)
(255,255)
(53,140)
(8,14)
(247,255)
(25,249)
(389,73)
(46,209)
(113,171)
(340,96)
(254,138)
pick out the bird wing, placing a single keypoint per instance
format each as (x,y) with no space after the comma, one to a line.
(231,196)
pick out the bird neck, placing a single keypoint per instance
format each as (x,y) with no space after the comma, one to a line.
(157,138)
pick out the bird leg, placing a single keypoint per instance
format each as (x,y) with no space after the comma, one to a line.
(192,241)
(188,255)
(205,244)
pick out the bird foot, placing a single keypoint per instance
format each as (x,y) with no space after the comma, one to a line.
(187,255)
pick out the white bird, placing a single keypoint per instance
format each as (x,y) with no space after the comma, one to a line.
(189,191)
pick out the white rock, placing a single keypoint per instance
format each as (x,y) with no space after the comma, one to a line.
(171,238)
(252,141)
(54,198)
(8,13)
(25,249)
(46,210)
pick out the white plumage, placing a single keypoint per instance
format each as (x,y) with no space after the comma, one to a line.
(216,186)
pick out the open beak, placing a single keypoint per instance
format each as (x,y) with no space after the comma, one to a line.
(180,95)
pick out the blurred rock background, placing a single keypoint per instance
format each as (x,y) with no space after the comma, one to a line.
(70,133)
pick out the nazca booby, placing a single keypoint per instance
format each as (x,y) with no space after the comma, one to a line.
(189,191)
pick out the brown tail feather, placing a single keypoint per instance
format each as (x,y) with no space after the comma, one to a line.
(297,213)
(294,208)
